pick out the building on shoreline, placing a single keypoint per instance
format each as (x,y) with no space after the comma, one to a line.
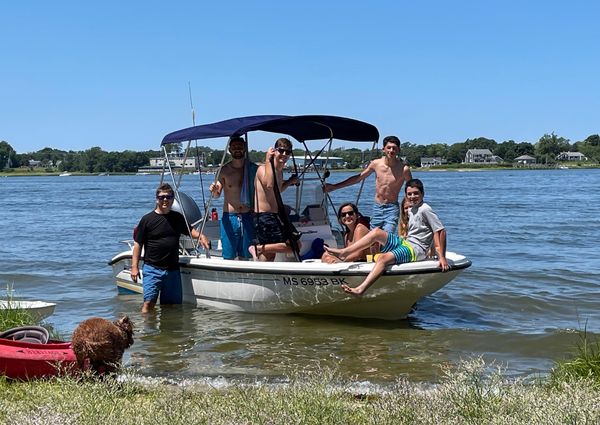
(332,162)
(571,156)
(177,161)
(428,161)
(525,160)
(482,156)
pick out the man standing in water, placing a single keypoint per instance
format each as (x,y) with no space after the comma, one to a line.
(391,173)
(236,180)
(271,233)
(158,233)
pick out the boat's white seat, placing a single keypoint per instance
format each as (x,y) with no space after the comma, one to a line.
(212,230)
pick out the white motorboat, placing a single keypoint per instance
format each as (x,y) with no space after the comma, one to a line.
(39,310)
(65,174)
(308,287)
(288,285)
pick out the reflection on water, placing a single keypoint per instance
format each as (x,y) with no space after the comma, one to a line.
(196,342)
(201,342)
(533,283)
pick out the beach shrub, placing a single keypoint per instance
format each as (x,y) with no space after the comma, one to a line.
(12,317)
(584,365)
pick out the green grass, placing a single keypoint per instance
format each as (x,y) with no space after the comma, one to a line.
(14,317)
(584,365)
(467,394)
(471,392)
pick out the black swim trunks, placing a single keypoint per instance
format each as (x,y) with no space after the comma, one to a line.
(269,228)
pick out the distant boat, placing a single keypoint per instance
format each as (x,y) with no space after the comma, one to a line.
(103,174)
(64,174)
(39,310)
(142,173)
(563,167)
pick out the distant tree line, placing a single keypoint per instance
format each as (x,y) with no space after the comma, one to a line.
(548,147)
(96,160)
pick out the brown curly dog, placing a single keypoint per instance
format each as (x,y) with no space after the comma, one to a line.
(102,342)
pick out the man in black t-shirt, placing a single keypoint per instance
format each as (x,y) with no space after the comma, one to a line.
(158,233)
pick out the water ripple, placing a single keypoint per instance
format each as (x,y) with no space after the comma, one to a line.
(532,287)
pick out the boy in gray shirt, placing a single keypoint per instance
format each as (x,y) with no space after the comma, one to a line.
(424,230)
(423,224)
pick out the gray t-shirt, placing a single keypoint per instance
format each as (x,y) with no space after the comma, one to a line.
(422,224)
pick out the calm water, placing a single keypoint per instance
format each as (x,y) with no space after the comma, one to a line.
(532,237)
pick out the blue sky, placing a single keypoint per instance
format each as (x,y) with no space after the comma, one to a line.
(115,74)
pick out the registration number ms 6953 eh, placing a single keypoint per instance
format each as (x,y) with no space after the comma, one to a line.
(313,281)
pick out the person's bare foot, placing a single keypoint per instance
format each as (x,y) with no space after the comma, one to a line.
(352,291)
(327,258)
(252,251)
(336,252)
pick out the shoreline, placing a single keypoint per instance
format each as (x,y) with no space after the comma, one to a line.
(471,392)
(349,170)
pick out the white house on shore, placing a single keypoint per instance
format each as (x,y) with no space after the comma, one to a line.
(479,156)
(571,156)
(525,160)
(176,161)
(429,161)
(319,162)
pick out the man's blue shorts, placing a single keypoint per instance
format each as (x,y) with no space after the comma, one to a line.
(385,216)
(167,283)
(237,233)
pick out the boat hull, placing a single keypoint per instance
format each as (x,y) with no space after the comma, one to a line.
(24,360)
(310,287)
(39,310)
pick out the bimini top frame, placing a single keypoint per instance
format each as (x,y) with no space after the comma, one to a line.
(301,127)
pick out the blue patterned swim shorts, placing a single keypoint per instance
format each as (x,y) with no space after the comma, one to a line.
(403,252)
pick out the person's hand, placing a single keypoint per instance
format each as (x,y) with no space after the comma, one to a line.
(444,264)
(214,189)
(293,180)
(134,273)
(203,241)
(270,154)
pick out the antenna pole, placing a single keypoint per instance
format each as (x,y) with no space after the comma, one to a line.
(192,104)
(197,156)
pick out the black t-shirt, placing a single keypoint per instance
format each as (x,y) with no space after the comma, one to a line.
(159,235)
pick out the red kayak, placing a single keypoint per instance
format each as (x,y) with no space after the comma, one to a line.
(26,360)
